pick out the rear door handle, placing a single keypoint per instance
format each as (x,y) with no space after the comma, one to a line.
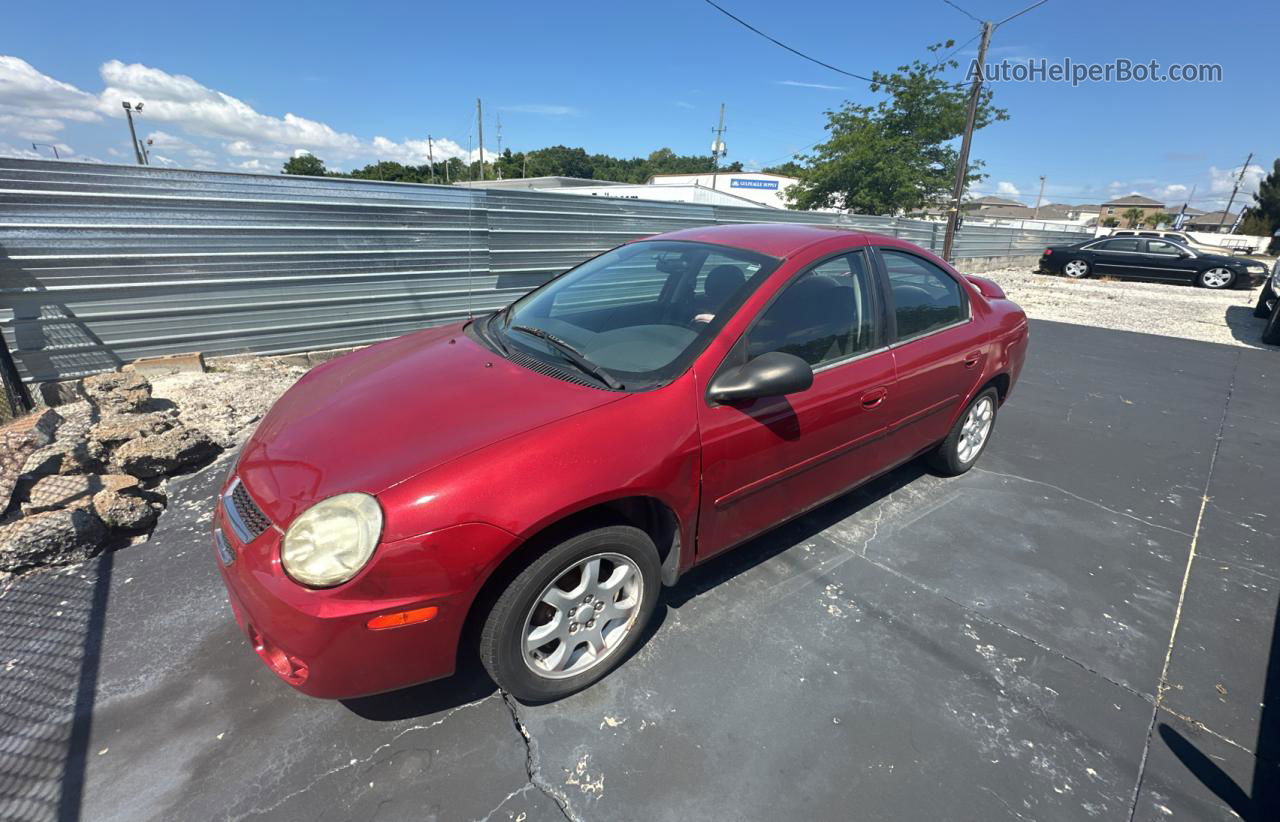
(874,397)
(972,358)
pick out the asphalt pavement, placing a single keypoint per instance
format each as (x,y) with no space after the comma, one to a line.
(985,647)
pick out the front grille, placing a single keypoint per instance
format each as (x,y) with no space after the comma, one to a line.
(246,517)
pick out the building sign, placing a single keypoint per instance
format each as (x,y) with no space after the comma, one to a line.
(738,182)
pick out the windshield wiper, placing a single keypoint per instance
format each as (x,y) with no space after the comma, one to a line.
(572,354)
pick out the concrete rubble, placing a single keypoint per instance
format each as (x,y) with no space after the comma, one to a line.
(91,475)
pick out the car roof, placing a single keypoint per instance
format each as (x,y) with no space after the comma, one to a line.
(774,239)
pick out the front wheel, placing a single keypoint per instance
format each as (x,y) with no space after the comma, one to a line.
(1076,269)
(572,615)
(1216,278)
(969,436)
(1271,333)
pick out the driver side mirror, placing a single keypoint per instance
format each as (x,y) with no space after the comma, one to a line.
(768,375)
(1184,254)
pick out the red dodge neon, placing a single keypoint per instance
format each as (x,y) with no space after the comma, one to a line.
(523,484)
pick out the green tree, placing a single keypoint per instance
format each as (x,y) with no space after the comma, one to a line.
(788,169)
(1155,218)
(1263,217)
(306,164)
(898,154)
(1110,222)
(1133,215)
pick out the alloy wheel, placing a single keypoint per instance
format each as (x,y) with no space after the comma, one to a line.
(1216,278)
(1076,269)
(976,428)
(582,617)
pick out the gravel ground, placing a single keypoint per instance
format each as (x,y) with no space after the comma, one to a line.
(229,399)
(1149,308)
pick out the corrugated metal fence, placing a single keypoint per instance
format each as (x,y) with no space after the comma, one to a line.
(102,264)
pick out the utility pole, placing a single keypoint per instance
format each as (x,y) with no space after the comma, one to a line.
(499,155)
(1039,196)
(431,159)
(1236,188)
(717,150)
(137,150)
(480,128)
(962,163)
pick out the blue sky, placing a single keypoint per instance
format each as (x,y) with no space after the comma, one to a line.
(240,86)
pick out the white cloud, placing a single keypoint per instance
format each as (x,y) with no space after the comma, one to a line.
(202,124)
(799,84)
(1005,188)
(1222,180)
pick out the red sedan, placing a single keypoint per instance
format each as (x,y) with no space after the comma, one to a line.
(523,484)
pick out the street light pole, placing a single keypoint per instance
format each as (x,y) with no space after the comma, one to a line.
(50,146)
(137,149)
(1039,197)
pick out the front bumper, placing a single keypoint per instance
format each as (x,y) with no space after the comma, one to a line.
(319,641)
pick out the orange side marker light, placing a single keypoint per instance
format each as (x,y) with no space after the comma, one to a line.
(399,618)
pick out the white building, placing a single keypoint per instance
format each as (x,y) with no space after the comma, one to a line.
(765,189)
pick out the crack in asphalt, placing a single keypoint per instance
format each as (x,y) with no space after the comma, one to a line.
(355,761)
(533,763)
(1094,502)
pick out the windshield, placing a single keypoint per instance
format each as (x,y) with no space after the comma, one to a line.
(639,313)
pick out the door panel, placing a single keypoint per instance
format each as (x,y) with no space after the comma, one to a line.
(1116,257)
(934,376)
(768,460)
(938,356)
(1166,262)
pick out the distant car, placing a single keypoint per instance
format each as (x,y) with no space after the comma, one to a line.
(1179,237)
(1143,258)
(1268,307)
(524,484)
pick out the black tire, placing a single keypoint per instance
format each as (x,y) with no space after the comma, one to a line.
(1231,280)
(946,459)
(1260,310)
(1271,333)
(502,637)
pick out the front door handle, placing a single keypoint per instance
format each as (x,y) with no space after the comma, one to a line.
(972,358)
(874,397)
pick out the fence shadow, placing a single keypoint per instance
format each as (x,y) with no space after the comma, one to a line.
(50,654)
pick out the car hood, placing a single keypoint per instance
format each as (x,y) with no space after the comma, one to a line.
(374,418)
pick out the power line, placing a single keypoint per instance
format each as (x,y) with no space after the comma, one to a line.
(801,54)
(962,11)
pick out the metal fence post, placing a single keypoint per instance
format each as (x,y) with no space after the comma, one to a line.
(14,394)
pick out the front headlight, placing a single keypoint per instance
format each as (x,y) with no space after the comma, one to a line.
(332,540)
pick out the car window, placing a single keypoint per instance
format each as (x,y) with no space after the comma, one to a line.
(1119,245)
(635,281)
(1162,247)
(925,297)
(719,278)
(825,314)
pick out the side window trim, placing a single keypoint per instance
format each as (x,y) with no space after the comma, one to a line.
(889,316)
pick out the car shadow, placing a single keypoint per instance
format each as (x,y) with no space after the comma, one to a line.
(1246,328)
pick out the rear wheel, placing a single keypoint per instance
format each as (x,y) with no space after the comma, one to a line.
(572,615)
(1271,333)
(1260,310)
(1216,278)
(1076,269)
(969,436)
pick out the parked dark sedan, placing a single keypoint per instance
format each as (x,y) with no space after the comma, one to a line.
(1148,259)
